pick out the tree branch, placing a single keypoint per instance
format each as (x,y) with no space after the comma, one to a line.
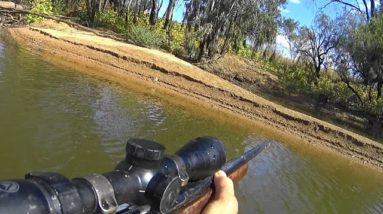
(342,2)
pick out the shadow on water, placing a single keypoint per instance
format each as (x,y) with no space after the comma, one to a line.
(53,118)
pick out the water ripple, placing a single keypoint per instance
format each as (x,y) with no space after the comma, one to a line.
(2,49)
(60,120)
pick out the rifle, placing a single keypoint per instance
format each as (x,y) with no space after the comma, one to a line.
(147,181)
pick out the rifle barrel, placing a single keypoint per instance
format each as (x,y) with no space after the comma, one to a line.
(199,189)
(233,165)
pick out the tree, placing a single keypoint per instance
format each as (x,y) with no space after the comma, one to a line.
(365,7)
(169,14)
(230,21)
(153,12)
(317,42)
(363,46)
(289,29)
(359,63)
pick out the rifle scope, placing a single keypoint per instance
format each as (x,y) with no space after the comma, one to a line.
(147,180)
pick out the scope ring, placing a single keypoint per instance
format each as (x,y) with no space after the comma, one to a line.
(181,169)
(64,191)
(105,194)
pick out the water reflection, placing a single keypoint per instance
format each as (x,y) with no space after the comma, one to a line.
(2,49)
(155,113)
(281,181)
(114,122)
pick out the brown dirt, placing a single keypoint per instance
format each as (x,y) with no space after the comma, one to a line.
(251,76)
(116,59)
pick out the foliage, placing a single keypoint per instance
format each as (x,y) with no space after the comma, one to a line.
(40,6)
(111,20)
(360,62)
(296,78)
(365,8)
(289,28)
(216,24)
(245,52)
(173,39)
(176,37)
(59,7)
(316,43)
(145,37)
(340,59)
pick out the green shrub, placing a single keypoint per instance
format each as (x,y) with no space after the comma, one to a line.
(40,6)
(145,37)
(59,7)
(245,52)
(111,20)
(191,43)
(177,38)
(325,85)
(341,93)
(295,78)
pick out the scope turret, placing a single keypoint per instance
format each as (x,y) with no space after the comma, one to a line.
(146,180)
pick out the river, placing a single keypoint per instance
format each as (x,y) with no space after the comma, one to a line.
(53,118)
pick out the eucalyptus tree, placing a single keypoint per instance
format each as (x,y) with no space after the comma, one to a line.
(359,63)
(260,22)
(153,12)
(366,7)
(363,46)
(317,42)
(169,14)
(289,29)
(219,23)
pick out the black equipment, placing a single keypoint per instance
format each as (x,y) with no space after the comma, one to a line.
(147,181)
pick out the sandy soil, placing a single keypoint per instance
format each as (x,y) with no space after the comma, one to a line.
(118,59)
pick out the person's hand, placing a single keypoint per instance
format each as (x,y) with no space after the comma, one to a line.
(224,200)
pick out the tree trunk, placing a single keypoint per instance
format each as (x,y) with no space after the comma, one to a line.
(369,93)
(92,8)
(106,4)
(127,13)
(141,7)
(355,92)
(372,9)
(375,125)
(100,5)
(169,14)
(153,13)
(225,43)
(159,8)
(317,74)
(201,50)
(264,55)
(379,90)
(367,10)
(136,11)
(228,36)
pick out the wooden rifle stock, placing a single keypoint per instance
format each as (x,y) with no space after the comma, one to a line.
(235,170)
(200,203)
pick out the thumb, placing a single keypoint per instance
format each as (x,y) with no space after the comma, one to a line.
(224,187)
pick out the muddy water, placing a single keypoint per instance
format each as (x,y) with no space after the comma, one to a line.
(53,118)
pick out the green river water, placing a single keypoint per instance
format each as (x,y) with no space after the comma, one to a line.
(55,119)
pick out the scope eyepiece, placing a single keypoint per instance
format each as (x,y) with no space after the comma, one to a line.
(202,156)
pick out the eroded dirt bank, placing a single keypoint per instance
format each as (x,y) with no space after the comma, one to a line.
(119,59)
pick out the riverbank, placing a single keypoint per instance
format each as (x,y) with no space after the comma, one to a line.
(120,60)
